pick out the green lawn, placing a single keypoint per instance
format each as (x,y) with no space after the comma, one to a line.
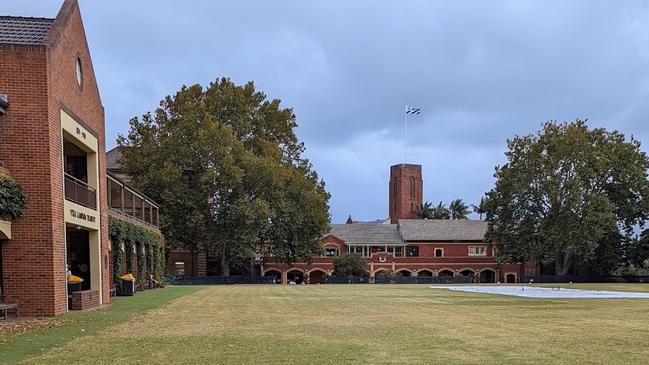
(333,324)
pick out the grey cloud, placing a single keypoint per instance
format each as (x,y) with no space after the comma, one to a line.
(482,72)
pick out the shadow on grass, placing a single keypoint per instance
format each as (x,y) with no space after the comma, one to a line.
(18,347)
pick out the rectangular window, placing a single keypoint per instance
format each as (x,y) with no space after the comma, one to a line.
(477,251)
(412,251)
(439,252)
(360,250)
(398,251)
(331,252)
(128,202)
(115,196)
(412,187)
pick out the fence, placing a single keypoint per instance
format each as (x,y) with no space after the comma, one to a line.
(423,280)
(220,280)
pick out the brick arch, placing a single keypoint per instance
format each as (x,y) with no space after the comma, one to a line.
(317,276)
(445,269)
(269,270)
(473,271)
(432,273)
(381,270)
(410,272)
(488,278)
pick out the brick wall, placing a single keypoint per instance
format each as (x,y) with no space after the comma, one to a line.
(401,202)
(68,42)
(28,259)
(81,300)
(40,80)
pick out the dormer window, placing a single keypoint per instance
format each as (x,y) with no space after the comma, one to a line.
(331,252)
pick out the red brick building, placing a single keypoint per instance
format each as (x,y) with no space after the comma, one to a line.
(52,142)
(407,246)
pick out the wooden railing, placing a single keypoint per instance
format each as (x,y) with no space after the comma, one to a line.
(80,192)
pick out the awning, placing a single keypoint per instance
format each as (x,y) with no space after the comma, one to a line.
(5,230)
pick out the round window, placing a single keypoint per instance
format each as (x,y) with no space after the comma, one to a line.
(79,71)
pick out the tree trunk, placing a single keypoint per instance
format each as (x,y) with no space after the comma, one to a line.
(225,264)
(562,264)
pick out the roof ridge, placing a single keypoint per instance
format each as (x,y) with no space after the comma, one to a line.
(18,17)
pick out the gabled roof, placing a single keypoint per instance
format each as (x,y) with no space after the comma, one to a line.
(442,230)
(24,30)
(366,233)
(112,159)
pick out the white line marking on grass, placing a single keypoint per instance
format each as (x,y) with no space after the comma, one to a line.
(547,293)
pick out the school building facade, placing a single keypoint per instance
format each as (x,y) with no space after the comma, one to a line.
(407,245)
(52,142)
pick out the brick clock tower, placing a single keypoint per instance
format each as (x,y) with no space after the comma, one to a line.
(406,191)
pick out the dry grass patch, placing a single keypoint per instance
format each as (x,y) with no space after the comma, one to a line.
(332,324)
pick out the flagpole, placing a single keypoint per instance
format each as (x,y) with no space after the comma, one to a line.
(405,139)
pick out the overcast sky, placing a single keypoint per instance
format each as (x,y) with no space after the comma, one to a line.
(482,72)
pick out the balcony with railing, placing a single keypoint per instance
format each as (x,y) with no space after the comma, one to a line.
(127,203)
(80,192)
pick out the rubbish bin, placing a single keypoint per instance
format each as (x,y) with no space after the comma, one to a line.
(128,285)
(74,285)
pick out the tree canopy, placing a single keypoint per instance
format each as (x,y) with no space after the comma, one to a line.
(350,265)
(566,194)
(227,168)
(457,209)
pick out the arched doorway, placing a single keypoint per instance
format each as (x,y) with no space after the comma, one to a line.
(295,276)
(274,275)
(487,276)
(510,278)
(317,277)
(425,272)
(381,274)
(445,273)
(404,273)
(467,272)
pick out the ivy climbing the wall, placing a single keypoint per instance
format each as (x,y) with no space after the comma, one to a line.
(12,199)
(134,239)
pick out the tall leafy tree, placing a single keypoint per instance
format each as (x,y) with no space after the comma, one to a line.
(458,209)
(564,192)
(227,168)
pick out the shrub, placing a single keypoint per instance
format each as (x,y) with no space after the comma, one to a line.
(350,265)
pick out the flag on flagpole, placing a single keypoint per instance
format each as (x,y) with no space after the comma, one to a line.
(411,110)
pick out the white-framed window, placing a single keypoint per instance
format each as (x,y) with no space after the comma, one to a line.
(477,251)
(439,252)
(331,251)
(360,250)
